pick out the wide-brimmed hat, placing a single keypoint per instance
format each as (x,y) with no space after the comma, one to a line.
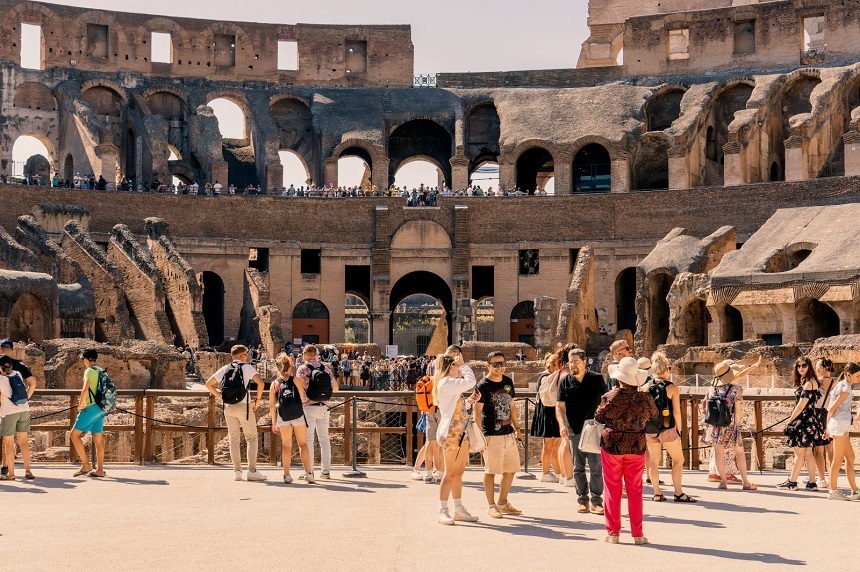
(644,364)
(627,372)
(725,370)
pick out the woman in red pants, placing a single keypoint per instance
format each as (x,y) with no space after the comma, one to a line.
(625,411)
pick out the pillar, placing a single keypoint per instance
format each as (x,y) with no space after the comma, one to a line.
(679,170)
(466,320)
(274,177)
(109,155)
(852,153)
(380,327)
(379,173)
(330,172)
(796,168)
(459,172)
(733,165)
(507,173)
(563,167)
(220,172)
(620,176)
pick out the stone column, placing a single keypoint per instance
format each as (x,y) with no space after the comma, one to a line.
(220,173)
(274,177)
(109,155)
(459,172)
(466,320)
(330,172)
(679,169)
(852,153)
(507,173)
(546,319)
(563,165)
(380,328)
(733,165)
(379,173)
(620,175)
(796,168)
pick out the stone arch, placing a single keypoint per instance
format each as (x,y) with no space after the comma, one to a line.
(692,326)
(34,95)
(421,282)
(117,33)
(240,99)
(242,40)
(311,321)
(294,122)
(362,150)
(420,234)
(213,306)
(164,88)
(732,324)
(664,107)
(534,164)
(650,163)
(105,83)
(33,13)
(815,320)
(44,140)
(658,284)
(420,137)
(625,299)
(483,132)
(31,318)
(592,168)
(104,99)
(523,322)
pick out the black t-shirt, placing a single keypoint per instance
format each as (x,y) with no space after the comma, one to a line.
(580,398)
(497,397)
(18,366)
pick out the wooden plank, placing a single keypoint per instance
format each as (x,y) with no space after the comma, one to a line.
(73,414)
(347,436)
(695,457)
(138,429)
(685,430)
(148,445)
(210,433)
(759,439)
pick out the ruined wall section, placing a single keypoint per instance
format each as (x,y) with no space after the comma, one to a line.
(14,256)
(141,283)
(52,258)
(113,323)
(577,321)
(259,314)
(182,290)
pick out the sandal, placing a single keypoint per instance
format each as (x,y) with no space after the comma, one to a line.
(751,487)
(29,476)
(83,472)
(95,475)
(7,477)
(659,498)
(722,486)
(684,497)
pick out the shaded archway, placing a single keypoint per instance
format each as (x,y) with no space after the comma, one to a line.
(486,319)
(104,100)
(175,111)
(663,109)
(815,320)
(415,320)
(295,170)
(420,137)
(732,326)
(535,167)
(592,170)
(356,321)
(295,132)
(213,307)
(658,308)
(69,169)
(483,129)
(625,300)
(693,324)
(523,323)
(30,319)
(418,171)
(355,168)
(728,102)
(421,282)
(232,118)
(311,322)
(34,95)
(30,148)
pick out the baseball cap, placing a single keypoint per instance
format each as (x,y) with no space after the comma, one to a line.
(7,343)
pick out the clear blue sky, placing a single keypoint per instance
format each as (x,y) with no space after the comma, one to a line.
(448,35)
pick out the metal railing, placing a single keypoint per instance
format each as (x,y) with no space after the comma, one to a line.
(372,427)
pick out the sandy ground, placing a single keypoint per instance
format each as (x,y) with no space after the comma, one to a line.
(199,518)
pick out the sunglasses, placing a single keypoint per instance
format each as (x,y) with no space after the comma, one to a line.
(800,365)
(497,364)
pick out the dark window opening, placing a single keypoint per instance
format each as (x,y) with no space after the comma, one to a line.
(529,262)
(574,254)
(259,258)
(356,57)
(483,282)
(311,261)
(357,281)
(772,339)
(745,37)
(225,50)
(97,41)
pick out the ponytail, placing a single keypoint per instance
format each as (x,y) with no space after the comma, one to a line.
(850,369)
(443,364)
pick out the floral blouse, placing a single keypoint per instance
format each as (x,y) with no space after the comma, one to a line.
(625,411)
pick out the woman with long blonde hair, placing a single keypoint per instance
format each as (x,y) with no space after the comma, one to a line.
(287,414)
(451,379)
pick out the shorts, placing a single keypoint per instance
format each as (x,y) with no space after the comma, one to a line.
(667,436)
(433,424)
(501,455)
(90,420)
(838,427)
(300,422)
(15,423)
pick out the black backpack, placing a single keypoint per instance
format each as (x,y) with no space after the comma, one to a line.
(233,388)
(717,412)
(289,400)
(657,390)
(319,384)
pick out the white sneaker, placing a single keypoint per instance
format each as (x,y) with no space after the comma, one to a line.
(255,476)
(462,515)
(854,495)
(549,478)
(308,478)
(569,482)
(837,495)
(288,479)
(417,476)
(444,517)
(238,475)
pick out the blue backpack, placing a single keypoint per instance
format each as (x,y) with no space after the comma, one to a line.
(105,395)
(19,390)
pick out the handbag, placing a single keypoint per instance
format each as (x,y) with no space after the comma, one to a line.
(589,440)
(477,441)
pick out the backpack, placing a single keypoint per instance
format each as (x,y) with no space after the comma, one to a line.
(19,390)
(289,400)
(657,390)
(105,395)
(717,412)
(319,384)
(424,394)
(233,388)
(548,391)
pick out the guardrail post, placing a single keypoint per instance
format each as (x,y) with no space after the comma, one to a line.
(210,432)
(147,437)
(685,431)
(694,435)
(73,414)
(525,474)
(354,473)
(138,429)
(409,428)
(347,420)
(759,438)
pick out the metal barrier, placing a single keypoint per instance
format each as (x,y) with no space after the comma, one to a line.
(373,427)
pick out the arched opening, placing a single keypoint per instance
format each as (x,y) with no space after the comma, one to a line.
(417,172)
(486,320)
(31,160)
(664,109)
(775,172)
(131,157)
(230,116)
(295,133)
(549,188)
(795,101)
(658,315)
(592,170)
(311,321)
(356,321)
(68,169)
(428,284)
(213,307)
(30,319)
(728,103)
(625,299)
(733,325)
(651,162)
(711,144)
(355,168)
(175,111)
(35,96)
(105,101)
(789,257)
(523,323)
(420,138)
(485,176)
(483,129)
(534,168)
(815,320)
(415,322)
(693,324)
(295,172)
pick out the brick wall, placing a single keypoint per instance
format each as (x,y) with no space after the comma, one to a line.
(585,77)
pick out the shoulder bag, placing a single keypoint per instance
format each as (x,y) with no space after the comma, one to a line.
(589,440)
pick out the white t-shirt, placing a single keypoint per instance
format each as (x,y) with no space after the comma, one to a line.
(843,413)
(6,405)
(449,391)
(248,373)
